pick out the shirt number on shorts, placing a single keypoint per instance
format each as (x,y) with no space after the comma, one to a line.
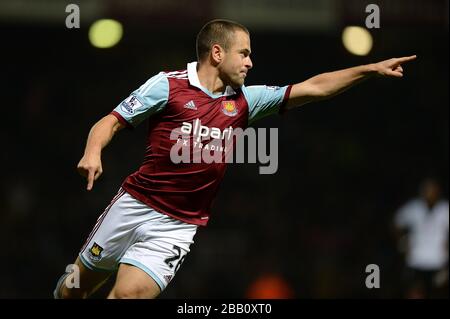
(176,260)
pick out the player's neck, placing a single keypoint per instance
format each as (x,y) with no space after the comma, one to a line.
(209,78)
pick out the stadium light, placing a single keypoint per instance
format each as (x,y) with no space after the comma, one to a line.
(105,33)
(357,40)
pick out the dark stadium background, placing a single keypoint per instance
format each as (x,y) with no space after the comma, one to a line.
(345,165)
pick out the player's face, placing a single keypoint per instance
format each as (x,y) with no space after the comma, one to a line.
(430,191)
(237,60)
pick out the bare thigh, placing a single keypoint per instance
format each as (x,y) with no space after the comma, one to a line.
(90,281)
(133,283)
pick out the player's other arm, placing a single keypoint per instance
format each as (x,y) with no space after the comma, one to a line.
(329,84)
(90,165)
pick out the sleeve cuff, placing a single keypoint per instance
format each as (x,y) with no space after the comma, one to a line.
(121,119)
(285,99)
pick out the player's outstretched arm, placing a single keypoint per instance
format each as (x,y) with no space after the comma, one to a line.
(329,84)
(90,165)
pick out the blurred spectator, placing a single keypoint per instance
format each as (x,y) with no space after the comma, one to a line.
(422,233)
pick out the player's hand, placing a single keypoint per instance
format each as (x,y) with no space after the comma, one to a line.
(90,167)
(393,67)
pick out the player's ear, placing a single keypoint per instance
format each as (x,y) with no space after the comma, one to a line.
(217,53)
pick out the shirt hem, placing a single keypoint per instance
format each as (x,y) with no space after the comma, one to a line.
(149,203)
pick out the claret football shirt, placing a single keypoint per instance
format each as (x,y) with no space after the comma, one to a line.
(181,113)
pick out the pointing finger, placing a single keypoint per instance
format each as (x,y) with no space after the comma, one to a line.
(406,59)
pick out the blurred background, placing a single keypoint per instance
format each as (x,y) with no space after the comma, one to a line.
(346,165)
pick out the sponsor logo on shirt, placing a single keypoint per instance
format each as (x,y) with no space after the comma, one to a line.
(130,104)
(229,108)
(202,132)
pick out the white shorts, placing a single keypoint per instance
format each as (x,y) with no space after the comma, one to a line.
(131,232)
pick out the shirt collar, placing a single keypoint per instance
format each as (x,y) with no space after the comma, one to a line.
(193,80)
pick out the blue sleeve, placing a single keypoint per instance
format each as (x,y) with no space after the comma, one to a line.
(149,99)
(264,100)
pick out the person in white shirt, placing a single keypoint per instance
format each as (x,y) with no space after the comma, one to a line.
(423,225)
